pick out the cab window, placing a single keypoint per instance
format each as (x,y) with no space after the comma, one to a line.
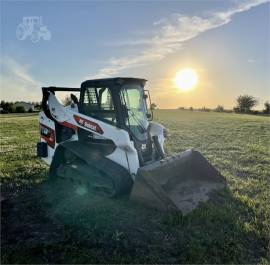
(98,103)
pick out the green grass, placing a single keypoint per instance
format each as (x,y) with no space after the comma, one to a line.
(233,229)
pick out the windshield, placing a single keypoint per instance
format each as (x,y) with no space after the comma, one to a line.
(133,98)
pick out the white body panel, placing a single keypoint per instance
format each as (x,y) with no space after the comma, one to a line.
(125,153)
(157,129)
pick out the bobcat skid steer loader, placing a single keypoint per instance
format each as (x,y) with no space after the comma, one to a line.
(105,140)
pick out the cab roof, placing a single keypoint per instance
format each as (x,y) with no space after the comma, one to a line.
(113,81)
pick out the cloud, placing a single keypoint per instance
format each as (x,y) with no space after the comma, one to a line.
(252,60)
(170,36)
(16,81)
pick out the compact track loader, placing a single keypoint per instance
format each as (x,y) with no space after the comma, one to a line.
(106,141)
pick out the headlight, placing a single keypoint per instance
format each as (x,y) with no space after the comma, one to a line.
(165,133)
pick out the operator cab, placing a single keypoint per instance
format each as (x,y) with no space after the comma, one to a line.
(121,102)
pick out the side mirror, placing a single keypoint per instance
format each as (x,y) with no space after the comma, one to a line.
(150,114)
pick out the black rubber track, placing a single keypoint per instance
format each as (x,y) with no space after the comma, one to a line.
(94,157)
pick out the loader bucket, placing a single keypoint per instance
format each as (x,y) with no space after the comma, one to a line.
(179,182)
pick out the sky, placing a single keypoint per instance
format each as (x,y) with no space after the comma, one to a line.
(225,42)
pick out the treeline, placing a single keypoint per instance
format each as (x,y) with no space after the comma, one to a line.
(219,108)
(15,107)
(244,104)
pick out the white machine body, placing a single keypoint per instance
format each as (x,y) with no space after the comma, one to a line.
(125,153)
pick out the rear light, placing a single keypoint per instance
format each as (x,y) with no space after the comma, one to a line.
(44,131)
(47,134)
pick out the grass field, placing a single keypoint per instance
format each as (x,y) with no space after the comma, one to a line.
(234,229)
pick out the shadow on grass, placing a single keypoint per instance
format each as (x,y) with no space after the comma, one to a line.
(20,175)
(55,224)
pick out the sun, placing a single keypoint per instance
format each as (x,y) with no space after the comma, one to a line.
(186,79)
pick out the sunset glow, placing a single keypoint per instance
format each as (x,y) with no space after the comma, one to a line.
(186,79)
